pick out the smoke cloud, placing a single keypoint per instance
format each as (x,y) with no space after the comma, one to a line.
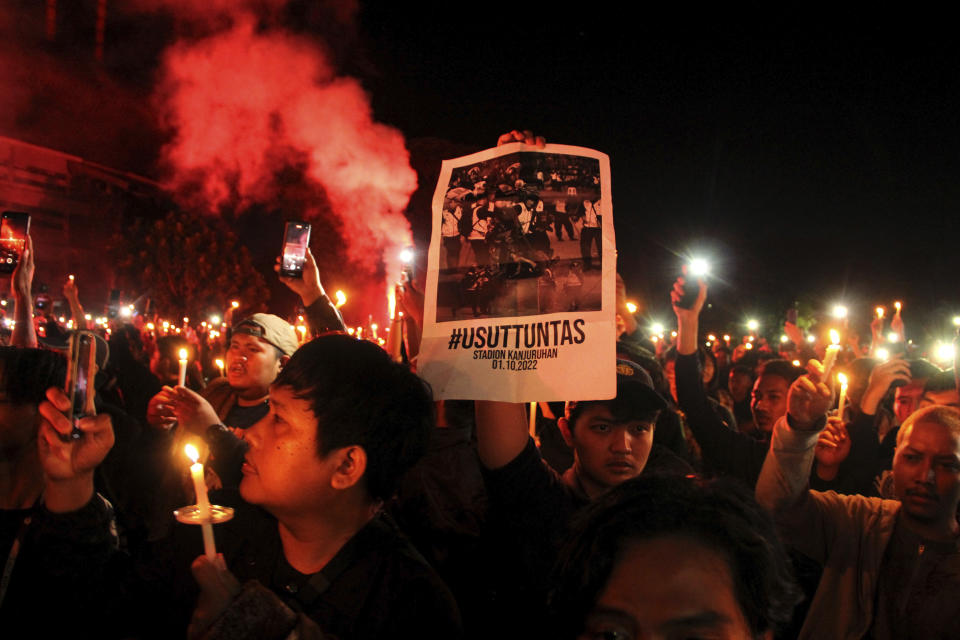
(248,103)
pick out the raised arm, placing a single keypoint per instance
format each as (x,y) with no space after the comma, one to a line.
(322,314)
(501,432)
(21,287)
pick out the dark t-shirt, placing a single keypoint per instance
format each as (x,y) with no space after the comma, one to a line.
(918,589)
(245,417)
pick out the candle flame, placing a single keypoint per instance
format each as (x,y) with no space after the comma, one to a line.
(192,453)
(234,304)
(796,363)
(834,336)
(897,305)
(880,312)
(71,277)
(842,379)
(219,363)
(632,307)
(341,298)
(391,302)
(183,354)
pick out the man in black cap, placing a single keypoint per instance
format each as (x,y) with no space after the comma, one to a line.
(532,506)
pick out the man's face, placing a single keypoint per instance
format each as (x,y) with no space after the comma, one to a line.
(282,472)
(609,452)
(252,364)
(692,596)
(926,473)
(769,401)
(907,399)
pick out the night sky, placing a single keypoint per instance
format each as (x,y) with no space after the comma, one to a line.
(811,152)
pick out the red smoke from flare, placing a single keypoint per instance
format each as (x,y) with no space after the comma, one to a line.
(246,104)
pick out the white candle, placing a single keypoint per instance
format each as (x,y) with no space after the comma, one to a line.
(830,357)
(533,420)
(203,502)
(183,368)
(843,394)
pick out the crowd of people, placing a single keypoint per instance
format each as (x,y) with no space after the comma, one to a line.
(721,494)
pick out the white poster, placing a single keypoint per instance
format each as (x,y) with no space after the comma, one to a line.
(521,277)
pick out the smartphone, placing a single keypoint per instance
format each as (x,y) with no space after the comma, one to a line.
(14,227)
(81,370)
(296,239)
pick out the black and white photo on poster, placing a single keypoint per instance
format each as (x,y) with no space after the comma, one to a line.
(521,235)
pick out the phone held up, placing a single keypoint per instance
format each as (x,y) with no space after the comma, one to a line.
(296,239)
(14,227)
(81,370)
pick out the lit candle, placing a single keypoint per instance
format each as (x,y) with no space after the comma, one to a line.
(220,366)
(71,277)
(183,368)
(843,394)
(303,333)
(203,502)
(897,306)
(341,299)
(833,350)
(880,312)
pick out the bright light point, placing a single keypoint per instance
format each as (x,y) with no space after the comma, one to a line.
(186,320)
(796,363)
(406,256)
(214,319)
(654,339)
(726,337)
(657,328)
(203,324)
(125,312)
(374,326)
(893,336)
(842,379)
(192,453)
(897,305)
(219,363)
(882,354)
(753,325)
(381,341)
(165,323)
(673,334)
(749,345)
(71,277)
(234,304)
(750,339)
(87,316)
(699,267)
(341,298)
(350,330)
(840,311)
(784,339)
(880,312)
(62,319)
(834,336)
(712,338)
(632,307)
(707,343)
(183,354)
(811,339)
(956,321)
(945,351)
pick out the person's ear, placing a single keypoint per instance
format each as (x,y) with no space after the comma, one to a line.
(565,431)
(351,465)
(284,360)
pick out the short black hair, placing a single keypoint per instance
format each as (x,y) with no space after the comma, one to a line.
(720,514)
(26,374)
(941,381)
(362,397)
(782,368)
